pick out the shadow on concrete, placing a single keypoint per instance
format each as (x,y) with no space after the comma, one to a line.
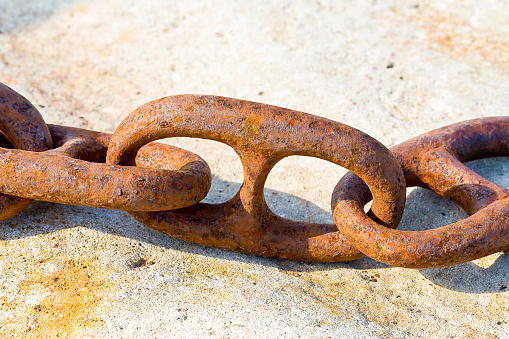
(472,278)
(17,14)
(425,210)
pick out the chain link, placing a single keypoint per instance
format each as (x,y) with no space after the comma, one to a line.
(434,161)
(162,186)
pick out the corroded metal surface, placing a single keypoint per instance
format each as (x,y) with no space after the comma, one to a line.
(161,185)
(22,126)
(74,173)
(434,161)
(261,135)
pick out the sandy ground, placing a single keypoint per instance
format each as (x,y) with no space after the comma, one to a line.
(393,69)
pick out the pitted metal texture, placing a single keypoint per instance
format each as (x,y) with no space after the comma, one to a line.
(434,161)
(261,135)
(162,186)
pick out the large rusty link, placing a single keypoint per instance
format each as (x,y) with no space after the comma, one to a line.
(74,172)
(21,126)
(261,135)
(434,161)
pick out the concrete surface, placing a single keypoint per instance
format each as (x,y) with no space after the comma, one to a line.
(393,69)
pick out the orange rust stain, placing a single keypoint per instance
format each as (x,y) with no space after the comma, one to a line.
(392,307)
(127,36)
(73,292)
(455,36)
(251,126)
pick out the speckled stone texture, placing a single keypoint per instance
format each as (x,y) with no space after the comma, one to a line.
(393,69)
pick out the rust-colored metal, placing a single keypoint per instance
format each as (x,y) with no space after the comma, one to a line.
(261,135)
(21,126)
(67,165)
(74,172)
(434,160)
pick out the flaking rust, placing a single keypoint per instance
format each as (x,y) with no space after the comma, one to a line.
(161,185)
(74,172)
(21,125)
(434,161)
(261,135)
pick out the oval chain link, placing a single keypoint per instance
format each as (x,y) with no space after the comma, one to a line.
(434,161)
(261,135)
(21,126)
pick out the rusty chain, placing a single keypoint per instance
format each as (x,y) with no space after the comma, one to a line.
(162,186)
